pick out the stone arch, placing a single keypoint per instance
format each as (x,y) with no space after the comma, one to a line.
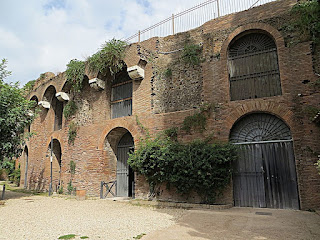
(118,142)
(273,108)
(56,162)
(273,33)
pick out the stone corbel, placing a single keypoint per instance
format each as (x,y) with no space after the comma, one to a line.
(97,84)
(136,72)
(62,96)
(44,104)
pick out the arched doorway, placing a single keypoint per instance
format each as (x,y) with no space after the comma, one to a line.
(125,174)
(26,156)
(118,143)
(265,173)
(56,163)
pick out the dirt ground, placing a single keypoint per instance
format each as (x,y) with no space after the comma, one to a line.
(41,217)
(242,223)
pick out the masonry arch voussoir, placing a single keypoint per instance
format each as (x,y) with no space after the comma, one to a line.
(129,126)
(274,109)
(274,33)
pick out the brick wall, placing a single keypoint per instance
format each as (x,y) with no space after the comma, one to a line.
(162,102)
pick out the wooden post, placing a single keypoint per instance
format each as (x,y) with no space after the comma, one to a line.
(172,24)
(3,191)
(218,8)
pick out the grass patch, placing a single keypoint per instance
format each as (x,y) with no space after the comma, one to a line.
(84,237)
(69,236)
(139,236)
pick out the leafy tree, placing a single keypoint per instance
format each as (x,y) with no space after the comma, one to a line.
(14,116)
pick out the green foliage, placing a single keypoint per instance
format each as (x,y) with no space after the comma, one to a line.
(75,73)
(70,109)
(308,22)
(69,236)
(139,236)
(196,121)
(84,237)
(318,165)
(311,111)
(168,73)
(172,133)
(14,117)
(42,76)
(70,187)
(72,133)
(3,70)
(72,165)
(60,190)
(27,88)
(109,58)
(191,54)
(15,176)
(198,166)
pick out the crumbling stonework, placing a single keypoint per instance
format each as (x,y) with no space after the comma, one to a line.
(160,102)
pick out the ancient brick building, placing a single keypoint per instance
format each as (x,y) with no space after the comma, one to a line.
(260,81)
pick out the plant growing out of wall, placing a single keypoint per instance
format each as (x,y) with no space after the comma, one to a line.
(70,109)
(72,133)
(198,166)
(198,120)
(27,88)
(191,54)
(72,166)
(308,18)
(75,74)
(109,58)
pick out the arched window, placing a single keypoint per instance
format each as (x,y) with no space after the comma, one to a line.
(253,67)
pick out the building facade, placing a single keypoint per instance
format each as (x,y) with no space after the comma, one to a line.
(262,84)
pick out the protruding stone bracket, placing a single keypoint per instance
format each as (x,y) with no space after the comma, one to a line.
(97,84)
(30,113)
(136,72)
(62,96)
(44,104)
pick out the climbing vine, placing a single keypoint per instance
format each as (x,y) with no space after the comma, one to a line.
(109,58)
(308,18)
(75,74)
(197,166)
(70,109)
(72,133)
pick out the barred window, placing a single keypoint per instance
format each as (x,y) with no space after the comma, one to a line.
(253,67)
(121,95)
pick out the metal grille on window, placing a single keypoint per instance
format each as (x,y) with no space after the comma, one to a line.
(253,67)
(121,95)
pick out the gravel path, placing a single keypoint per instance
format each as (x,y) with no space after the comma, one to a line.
(40,217)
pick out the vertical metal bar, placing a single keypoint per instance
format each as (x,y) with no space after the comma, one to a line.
(139,34)
(172,24)
(3,191)
(50,186)
(218,8)
(101,190)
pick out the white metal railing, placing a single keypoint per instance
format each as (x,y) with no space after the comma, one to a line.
(194,17)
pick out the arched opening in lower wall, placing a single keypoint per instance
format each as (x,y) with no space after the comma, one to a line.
(265,173)
(25,159)
(56,163)
(118,143)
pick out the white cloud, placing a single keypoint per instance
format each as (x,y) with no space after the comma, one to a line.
(37,36)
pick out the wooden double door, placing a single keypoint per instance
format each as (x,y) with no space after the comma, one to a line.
(265,172)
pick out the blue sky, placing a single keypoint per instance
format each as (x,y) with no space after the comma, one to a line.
(38,36)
